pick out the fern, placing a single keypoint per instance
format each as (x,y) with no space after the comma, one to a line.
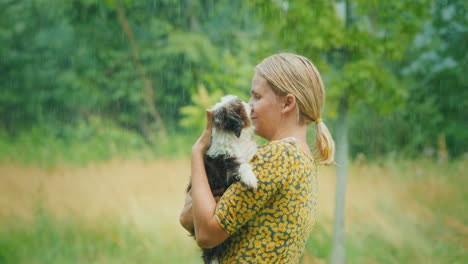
(193,116)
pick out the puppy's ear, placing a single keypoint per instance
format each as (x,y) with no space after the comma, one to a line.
(237,127)
(228,120)
(218,117)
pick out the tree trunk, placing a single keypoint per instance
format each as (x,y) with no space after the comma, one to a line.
(148,91)
(338,255)
(339,252)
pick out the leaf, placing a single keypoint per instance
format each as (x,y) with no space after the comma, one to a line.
(193,116)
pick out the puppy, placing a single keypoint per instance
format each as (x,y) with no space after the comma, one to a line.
(227,159)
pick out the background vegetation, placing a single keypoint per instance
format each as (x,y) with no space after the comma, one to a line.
(87,81)
(73,68)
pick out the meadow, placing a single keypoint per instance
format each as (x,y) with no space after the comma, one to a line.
(124,211)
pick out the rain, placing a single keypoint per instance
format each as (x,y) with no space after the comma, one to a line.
(101,102)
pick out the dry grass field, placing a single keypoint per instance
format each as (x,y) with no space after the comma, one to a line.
(401,208)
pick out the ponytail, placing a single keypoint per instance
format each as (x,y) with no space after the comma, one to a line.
(324,145)
(289,73)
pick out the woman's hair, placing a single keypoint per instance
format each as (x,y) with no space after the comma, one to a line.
(289,73)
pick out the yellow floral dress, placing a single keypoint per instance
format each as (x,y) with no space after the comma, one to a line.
(271,224)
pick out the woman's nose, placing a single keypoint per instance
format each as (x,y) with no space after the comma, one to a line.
(250,103)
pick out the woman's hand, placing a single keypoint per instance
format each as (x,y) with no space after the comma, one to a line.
(204,141)
(186,216)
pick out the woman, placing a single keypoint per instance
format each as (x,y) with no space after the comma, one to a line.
(269,224)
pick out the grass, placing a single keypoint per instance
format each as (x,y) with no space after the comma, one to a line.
(126,211)
(47,239)
(117,212)
(401,212)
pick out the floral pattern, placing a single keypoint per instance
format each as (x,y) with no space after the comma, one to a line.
(271,224)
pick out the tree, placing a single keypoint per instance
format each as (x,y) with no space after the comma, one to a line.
(131,62)
(438,63)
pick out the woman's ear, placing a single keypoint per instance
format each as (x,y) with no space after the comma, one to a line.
(289,103)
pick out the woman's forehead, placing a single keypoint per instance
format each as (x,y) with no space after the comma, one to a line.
(259,84)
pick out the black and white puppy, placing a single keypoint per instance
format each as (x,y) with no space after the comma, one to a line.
(227,159)
(232,137)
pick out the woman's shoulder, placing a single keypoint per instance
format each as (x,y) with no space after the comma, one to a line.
(273,147)
(281,156)
(284,147)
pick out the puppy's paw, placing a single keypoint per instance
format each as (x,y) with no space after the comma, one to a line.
(247,176)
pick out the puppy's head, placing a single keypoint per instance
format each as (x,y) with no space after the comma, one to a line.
(231,115)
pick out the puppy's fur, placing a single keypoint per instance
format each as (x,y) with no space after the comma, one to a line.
(227,159)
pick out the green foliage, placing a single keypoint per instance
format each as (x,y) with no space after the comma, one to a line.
(194,115)
(66,63)
(437,64)
(87,141)
(352,50)
(319,243)
(95,140)
(435,94)
(90,69)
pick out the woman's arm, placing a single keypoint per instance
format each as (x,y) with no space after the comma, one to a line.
(207,229)
(186,216)
(208,232)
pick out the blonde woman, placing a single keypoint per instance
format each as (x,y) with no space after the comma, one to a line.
(269,224)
